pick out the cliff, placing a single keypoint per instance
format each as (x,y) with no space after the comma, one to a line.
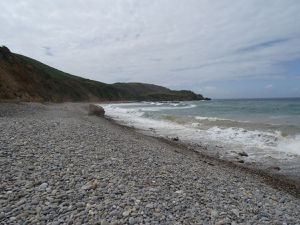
(26,79)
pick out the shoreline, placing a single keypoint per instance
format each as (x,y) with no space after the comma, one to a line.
(60,165)
(276,180)
(282,169)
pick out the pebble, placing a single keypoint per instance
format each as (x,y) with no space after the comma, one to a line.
(2,215)
(104,222)
(214,213)
(43,186)
(126,213)
(150,205)
(90,185)
(131,220)
(236,212)
(179,192)
(12,219)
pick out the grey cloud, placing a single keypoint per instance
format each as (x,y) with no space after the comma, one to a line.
(175,43)
(266,44)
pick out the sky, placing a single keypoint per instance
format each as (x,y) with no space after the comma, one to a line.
(219,48)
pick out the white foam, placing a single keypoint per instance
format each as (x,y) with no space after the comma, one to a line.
(155,103)
(140,108)
(290,144)
(259,139)
(253,141)
(214,119)
(208,118)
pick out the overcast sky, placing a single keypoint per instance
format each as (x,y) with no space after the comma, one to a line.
(222,49)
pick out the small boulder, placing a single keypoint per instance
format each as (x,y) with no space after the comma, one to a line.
(96,110)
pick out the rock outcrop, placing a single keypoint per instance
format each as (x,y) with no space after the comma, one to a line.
(4,52)
(96,110)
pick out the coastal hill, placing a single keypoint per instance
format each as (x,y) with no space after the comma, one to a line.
(25,79)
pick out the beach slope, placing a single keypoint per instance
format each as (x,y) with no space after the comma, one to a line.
(61,166)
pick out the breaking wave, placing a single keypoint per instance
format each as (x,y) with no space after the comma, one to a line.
(232,134)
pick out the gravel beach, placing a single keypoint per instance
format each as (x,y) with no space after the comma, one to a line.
(61,166)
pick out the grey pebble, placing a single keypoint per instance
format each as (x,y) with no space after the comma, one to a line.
(43,186)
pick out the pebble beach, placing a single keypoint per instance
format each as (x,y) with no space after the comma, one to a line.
(59,165)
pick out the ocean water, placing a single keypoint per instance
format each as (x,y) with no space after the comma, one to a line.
(268,130)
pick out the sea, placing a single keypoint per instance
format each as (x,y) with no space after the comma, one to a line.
(263,132)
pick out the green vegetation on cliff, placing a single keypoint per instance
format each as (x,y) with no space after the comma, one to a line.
(26,79)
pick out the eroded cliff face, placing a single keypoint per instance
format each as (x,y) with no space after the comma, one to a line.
(25,79)
(18,80)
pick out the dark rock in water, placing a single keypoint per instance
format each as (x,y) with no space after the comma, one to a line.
(152,130)
(209,163)
(96,110)
(241,161)
(175,139)
(243,154)
(274,168)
